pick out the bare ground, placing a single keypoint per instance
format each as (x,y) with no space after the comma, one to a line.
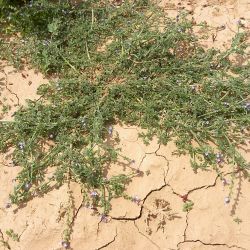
(157,221)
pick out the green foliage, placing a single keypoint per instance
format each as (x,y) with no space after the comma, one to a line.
(128,64)
(237,220)
(7,7)
(12,235)
(188,206)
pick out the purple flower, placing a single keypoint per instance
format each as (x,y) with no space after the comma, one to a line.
(8,205)
(89,206)
(27,186)
(136,200)
(110,130)
(193,88)
(83,121)
(31,3)
(219,158)
(247,106)
(206,154)
(238,22)
(77,165)
(224,182)
(94,194)
(66,244)
(104,218)
(132,162)
(105,179)
(35,194)
(21,145)
(241,22)
(46,42)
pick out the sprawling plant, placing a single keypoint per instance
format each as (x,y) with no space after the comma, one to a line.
(126,64)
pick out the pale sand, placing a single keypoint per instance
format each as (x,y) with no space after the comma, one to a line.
(158,221)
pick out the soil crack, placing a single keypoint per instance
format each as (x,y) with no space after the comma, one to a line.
(76,213)
(211,244)
(145,236)
(107,244)
(194,189)
(3,241)
(11,92)
(185,235)
(144,200)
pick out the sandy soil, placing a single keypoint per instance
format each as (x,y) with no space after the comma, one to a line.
(157,221)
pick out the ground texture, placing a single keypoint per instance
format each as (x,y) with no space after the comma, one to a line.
(155,220)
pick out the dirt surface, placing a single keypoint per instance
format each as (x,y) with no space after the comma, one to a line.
(156,219)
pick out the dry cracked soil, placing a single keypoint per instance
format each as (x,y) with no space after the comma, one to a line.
(156,220)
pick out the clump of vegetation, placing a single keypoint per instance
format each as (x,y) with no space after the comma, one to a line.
(128,64)
(14,236)
(188,206)
(237,220)
(4,242)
